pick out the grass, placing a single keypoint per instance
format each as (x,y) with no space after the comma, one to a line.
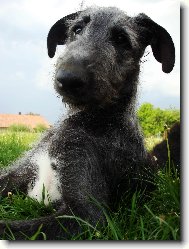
(14,144)
(22,207)
(158,218)
(150,142)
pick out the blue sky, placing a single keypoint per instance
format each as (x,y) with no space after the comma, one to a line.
(26,71)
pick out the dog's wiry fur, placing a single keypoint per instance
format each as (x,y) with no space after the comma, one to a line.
(98,151)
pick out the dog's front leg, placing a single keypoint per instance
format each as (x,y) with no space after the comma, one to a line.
(83,178)
(17,177)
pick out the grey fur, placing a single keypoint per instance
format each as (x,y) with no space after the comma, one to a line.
(99,150)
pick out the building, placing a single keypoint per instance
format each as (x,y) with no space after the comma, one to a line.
(29,120)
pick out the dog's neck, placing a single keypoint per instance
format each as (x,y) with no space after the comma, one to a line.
(102,120)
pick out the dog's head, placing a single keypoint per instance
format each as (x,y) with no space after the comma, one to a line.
(100,64)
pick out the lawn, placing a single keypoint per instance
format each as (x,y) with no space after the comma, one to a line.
(156,219)
(14,144)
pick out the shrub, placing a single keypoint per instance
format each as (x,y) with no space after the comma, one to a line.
(40,128)
(19,127)
(152,120)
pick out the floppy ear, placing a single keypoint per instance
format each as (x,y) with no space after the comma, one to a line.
(150,33)
(58,33)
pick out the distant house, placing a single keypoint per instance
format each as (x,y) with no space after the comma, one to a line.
(31,121)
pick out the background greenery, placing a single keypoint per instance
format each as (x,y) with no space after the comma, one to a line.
(152,119)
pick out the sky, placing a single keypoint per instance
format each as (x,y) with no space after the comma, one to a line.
(26,71)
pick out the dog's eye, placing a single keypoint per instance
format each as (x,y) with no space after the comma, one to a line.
(86,19)
(119,37)
(77,29)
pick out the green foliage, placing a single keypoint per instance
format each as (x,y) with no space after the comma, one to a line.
(24,128)
(151,141)
(152,120)
(19,127)
(13,144)
(20,206)
(40,128)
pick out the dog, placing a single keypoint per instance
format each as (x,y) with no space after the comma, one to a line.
(98,152)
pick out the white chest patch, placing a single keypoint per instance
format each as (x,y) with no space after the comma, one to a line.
(47,185)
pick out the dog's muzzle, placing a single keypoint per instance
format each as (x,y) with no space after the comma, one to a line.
(69,82)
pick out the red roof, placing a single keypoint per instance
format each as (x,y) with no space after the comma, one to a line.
(6,120)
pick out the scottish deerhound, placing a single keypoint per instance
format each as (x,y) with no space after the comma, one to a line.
(98,152)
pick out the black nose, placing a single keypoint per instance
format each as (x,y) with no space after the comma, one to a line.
(68,81)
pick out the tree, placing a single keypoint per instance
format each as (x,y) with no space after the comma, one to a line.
(152,120)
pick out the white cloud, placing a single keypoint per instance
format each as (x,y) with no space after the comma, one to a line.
(154,80)
(44,75)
